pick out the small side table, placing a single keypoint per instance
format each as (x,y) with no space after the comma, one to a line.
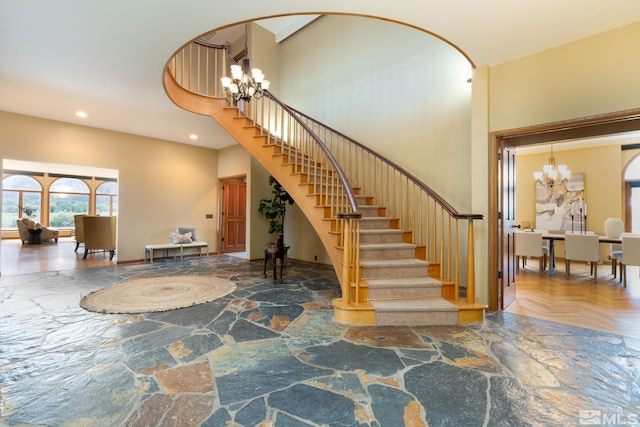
(34,236)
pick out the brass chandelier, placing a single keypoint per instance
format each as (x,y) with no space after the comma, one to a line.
(553,177)
(243,85)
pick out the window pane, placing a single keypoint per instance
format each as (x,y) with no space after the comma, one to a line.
(632,173)
(107,188)
(65,206)
(21,182)
(69,185)
(31,203)
(103,205)
(635,209)
(9,210)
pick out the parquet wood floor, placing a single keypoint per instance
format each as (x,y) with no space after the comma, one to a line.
(578,301)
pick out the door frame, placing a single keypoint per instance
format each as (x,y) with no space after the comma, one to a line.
(556,132)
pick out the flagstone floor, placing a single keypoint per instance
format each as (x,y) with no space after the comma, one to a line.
(271,355)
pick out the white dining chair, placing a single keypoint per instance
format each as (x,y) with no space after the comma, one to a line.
(529,244)
(545,243)
(615,250)
(582,247)
(630,255)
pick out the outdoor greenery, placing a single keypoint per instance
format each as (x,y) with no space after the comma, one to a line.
(22,196)
(274,208)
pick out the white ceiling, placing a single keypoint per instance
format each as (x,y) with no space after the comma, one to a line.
(107,57)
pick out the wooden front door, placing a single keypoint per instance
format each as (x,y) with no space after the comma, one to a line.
(507,223)
(234,216)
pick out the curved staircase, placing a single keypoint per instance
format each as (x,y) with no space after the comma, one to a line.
(382,268)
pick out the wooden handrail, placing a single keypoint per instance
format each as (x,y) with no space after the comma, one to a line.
(419,209)
(450,209)
(343,178)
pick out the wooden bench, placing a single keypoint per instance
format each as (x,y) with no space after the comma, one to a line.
(176,248)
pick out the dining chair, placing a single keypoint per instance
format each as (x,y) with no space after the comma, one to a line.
(615,250)
(630,255)
(545,243)
(529,244)
(582,247)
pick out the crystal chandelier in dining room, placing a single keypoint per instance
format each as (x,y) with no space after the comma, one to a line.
(553,178)
(243,85)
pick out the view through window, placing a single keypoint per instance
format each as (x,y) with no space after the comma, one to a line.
(21,197)
(67,197)
(632,194)
(54,199)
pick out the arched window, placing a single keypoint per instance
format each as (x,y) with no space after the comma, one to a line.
(107,199)
(21,196)
(67,197)
(632,195)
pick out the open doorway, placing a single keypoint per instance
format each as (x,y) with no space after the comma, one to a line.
(502,257)
(49,195)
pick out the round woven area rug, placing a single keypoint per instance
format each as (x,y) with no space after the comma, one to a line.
(157,294)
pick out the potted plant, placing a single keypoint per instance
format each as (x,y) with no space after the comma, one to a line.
(27,211)
(274,208)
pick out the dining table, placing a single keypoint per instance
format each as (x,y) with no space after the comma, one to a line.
(553,237)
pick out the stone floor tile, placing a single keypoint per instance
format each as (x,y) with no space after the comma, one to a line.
(271,355)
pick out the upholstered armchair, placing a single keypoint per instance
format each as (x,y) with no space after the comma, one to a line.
(25,224)
(99,234)
(79,230)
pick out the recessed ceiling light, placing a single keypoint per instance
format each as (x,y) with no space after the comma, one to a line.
(81,114)
(193,136)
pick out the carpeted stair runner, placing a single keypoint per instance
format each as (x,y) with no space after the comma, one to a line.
(399,287)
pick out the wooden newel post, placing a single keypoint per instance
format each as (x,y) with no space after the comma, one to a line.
(471,270)
(346,260)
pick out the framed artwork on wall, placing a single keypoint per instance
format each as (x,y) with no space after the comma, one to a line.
(555,205)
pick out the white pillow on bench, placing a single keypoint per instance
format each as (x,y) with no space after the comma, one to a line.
(181,238)
(184,230)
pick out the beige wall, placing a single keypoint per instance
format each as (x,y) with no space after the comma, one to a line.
(479,155)
(397,90)
(265,55)
(162,184)
(591,76)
